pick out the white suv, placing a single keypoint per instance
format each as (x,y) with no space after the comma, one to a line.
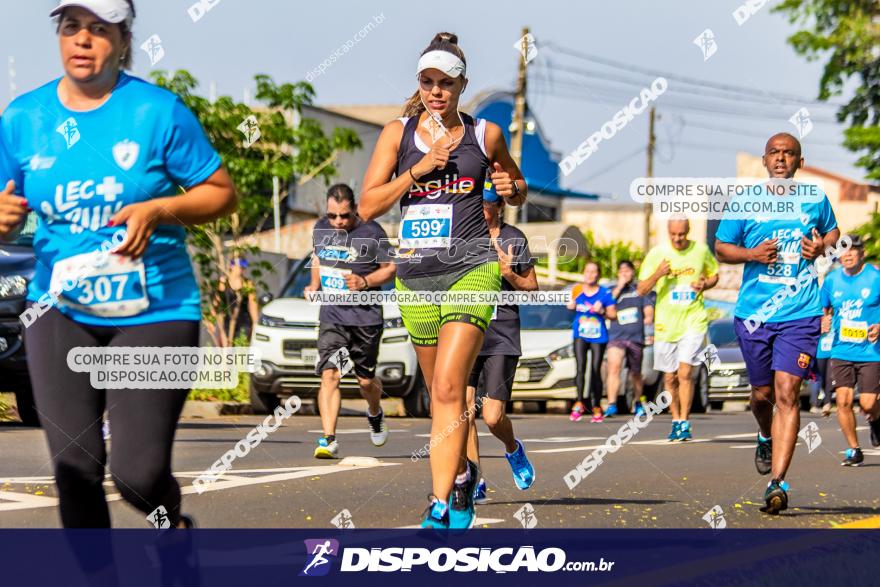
(287,335)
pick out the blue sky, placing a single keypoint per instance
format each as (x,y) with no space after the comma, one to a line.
(572,90)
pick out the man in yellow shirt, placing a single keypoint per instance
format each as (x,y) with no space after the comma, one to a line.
(680,271)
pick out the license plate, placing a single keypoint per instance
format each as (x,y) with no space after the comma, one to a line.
(309,355)
(724,381)
(522,374)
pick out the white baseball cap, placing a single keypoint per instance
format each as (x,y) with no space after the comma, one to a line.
(112,11)
(445,61)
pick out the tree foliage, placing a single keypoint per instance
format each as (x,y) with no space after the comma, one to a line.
(283,149)
(846,33)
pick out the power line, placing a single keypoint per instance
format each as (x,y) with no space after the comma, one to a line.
(684,79)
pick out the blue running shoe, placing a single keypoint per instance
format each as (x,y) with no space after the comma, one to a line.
(480,493)
(776,497)
(461,502)
(611,410)
(675,431)
(523,471)
(684,431)
(436,515)
(640,411)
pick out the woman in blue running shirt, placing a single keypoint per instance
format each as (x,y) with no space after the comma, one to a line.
(101,157)
(592,304)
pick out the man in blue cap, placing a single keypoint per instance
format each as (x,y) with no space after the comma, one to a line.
(501,350)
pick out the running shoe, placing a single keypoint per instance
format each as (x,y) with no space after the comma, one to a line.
(461,501)
(436,515)
(826,410)
(611,411)
(875,431)
(480,493)
(853,457)
(640,411)
(684,431)
(577,411)
(673,435)
(378,428)
(326,449)
(775,498)
(764,455)
(523,471)
(597,416)
(815,410)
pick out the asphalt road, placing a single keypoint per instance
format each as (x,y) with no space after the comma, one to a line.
(648,483)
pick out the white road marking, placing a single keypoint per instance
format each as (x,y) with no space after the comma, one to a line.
(563,439)
(478,434)
(24,501)
(746,435)
(661,442)
(21,501)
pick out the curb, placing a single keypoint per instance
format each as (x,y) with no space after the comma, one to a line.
(200,409)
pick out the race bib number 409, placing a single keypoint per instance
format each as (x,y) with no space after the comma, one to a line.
(101,284)
(426,226)
(333,279)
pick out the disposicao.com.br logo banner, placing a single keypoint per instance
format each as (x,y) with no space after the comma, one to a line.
(442,559)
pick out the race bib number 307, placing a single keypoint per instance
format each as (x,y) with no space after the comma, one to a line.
(101,284)
(426,226)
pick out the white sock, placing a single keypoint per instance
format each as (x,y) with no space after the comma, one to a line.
(463,477)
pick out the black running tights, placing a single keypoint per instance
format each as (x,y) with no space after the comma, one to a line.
(143,421)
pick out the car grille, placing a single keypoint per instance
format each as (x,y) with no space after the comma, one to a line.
(741,375)
(538,369)
(293,348)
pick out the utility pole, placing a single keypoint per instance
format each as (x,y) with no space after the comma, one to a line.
(519,113)
(651,142)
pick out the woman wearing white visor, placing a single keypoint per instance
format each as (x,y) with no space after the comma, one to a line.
(101,157)
(434,161)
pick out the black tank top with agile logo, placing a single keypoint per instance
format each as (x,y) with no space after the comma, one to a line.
(442,229)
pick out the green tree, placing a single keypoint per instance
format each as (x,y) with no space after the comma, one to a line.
(283,150)
(869,232)
(847,34)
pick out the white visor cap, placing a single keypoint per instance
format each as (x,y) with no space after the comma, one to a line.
(445,61)
(112,11)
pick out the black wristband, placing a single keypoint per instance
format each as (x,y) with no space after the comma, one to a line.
(412,176)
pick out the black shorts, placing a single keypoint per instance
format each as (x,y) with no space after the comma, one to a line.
(361,342)
(633,352)
(848,373)
(498,372)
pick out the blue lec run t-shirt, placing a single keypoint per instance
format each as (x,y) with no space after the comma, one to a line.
(761,282)
(855,300)
(589,325)
(77,169)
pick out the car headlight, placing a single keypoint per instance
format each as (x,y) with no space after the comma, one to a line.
(565,352)
(393,322)
(12,286)
(271,321)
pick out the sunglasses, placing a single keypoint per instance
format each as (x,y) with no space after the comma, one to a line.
(345,216)
(70,28)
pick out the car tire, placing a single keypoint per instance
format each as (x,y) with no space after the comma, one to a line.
(263,403)
(27,411)
(417,402)
(701,391)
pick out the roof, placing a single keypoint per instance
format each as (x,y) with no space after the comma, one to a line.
(380,114)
